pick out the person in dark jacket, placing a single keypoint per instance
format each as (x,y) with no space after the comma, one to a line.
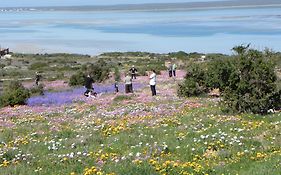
(37,78)
(89,87)
(116,87)
(133,71)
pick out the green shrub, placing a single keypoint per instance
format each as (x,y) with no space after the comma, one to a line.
(247,81)
(117,76)
(77,79)
(98,71)
(219,72)
(194,83)
(179,54)
(122,98)
(37,90)
(142,72)
(38,65)
(14,94)
(252,86)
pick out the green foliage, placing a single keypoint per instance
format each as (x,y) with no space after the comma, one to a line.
(130,54)
(99,71)
(37,90)
(2,66)
(38,65)
(117,76)
(122,98)
(14,94)
(219,72)
(194,83)
(247,81)
(241,49)
(252,85)
(179,54)
(77,79)
(157,66)
(142,72)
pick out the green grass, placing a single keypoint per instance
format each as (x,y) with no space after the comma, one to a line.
(120,98)
(198,141)
(193,139)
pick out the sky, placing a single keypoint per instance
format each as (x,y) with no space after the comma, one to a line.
(35,3)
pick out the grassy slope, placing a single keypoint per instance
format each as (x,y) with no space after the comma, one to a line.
(139,135)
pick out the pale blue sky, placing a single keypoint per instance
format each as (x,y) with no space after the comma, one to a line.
(28,3)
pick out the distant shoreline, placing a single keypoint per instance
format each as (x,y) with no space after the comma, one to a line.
(156,7)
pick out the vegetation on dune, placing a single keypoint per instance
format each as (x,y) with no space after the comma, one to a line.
(138,134)
(14,94)
(247,81)
(99,71)
(196,138)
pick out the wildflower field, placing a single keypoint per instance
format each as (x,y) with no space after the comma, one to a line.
(137,134)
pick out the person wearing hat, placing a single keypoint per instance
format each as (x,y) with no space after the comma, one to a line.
(133,71)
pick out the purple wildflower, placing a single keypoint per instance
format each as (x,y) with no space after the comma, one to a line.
(71,96)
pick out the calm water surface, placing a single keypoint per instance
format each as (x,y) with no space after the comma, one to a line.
(96,32)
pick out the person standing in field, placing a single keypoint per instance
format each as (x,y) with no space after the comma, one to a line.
(133,71)
(170,70)
(152,82)
(174,67)
(116,87)
(128,84)
(37,78)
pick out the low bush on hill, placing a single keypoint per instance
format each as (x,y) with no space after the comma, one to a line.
(247,81)
(14,94)
(37,90)
(38,65)
(194,83)
(99,71)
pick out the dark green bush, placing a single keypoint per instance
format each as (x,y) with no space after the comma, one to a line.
(77,79)
(179,54)
(37,90)
(14,94)
(252,86)
(117,76)
(219,72)
(38,66)
(247,81)
(194,83)
(98,71)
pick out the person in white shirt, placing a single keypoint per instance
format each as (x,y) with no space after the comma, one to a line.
(152,82)
(174,67)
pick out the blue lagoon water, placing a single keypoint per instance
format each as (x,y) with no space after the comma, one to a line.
(207,31)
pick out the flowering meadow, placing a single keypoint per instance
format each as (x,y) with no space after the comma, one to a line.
(72,95)
(117,134)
